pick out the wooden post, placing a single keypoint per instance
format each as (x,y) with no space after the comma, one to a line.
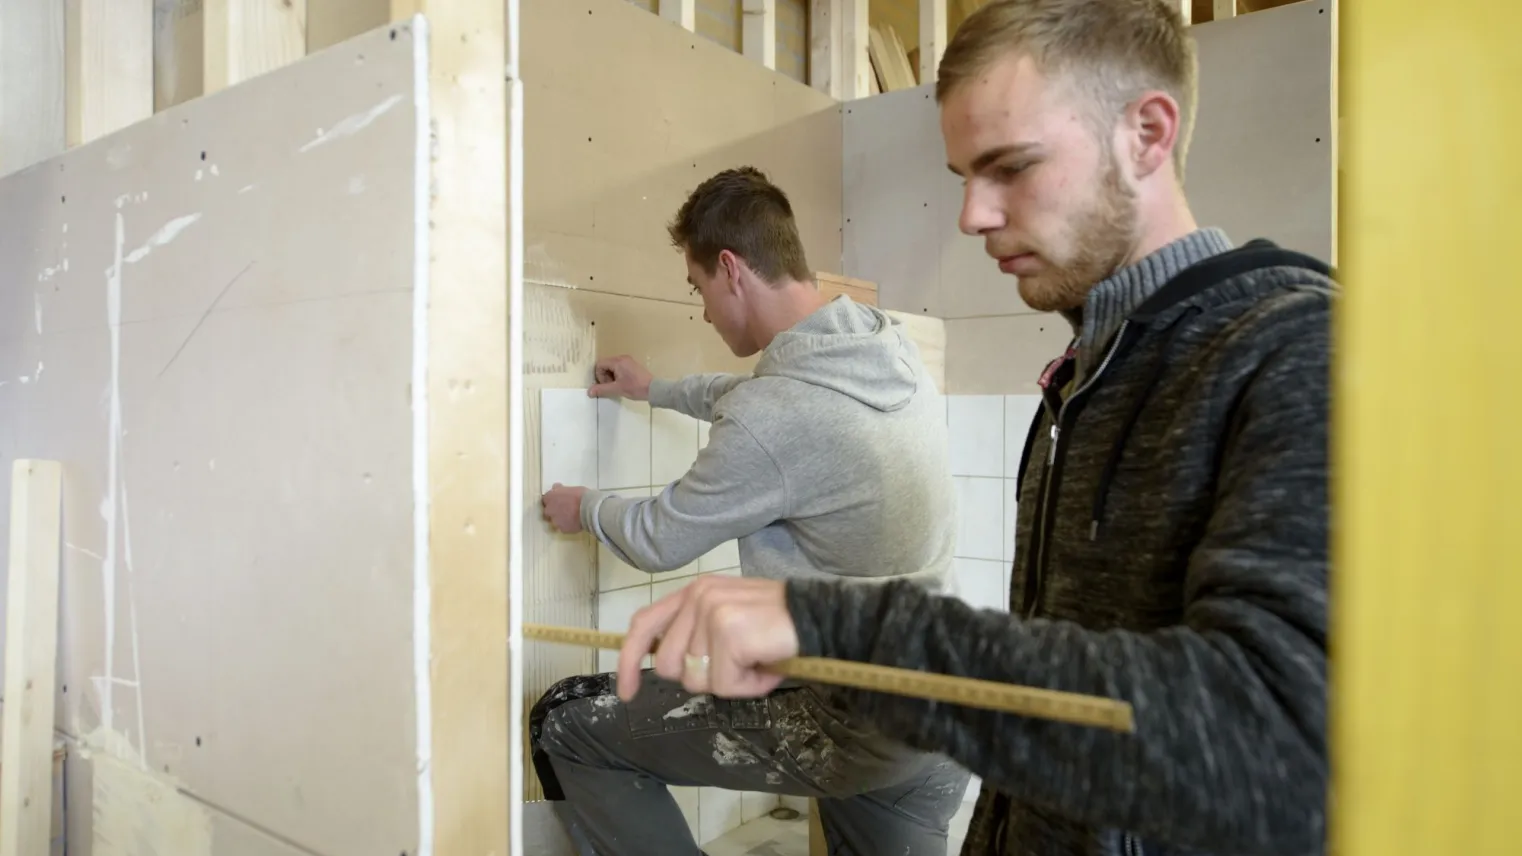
(932,38)
(817,845)
(857,66)
(31,649)
(32,100)
(759,36)
(1222,9)
(681,12)
(245,38)
(468,426)
(1427,555)
(110,66)
(825,65)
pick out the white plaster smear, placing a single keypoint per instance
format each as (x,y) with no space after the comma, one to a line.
(352,124)
(168,232)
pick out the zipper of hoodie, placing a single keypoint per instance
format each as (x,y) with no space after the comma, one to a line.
(1035,577)
(1130,846)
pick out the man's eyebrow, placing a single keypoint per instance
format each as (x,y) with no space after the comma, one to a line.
(982,161)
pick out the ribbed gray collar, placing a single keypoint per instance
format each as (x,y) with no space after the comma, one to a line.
(1119,294)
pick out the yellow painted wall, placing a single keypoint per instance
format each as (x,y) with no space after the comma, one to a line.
(1427,596)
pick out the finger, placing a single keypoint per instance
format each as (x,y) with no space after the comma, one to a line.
(602,390)
(645,627)
(696,671)
(671,653)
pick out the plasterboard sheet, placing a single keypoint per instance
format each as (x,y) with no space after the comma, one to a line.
(610,154)
(1262,161)
(208,318)
(1002,355)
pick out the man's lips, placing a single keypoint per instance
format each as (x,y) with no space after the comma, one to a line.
(1020,264)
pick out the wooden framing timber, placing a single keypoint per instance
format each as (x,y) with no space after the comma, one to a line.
(467,393)
(244,38)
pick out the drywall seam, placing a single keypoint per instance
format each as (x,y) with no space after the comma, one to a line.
(113,450)
(515,433)
(422,641)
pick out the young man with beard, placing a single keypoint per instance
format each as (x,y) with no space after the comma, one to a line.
(1172,529)
(830,460)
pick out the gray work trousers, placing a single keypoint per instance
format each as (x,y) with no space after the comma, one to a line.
(612,763)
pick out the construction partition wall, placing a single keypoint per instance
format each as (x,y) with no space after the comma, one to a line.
(1261,164)
(625,114)
(265,334)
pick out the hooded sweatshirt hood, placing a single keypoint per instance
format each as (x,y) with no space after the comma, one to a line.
(850,348)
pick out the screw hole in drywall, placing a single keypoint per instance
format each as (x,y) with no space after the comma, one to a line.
(589,139)
(393,35)
(63,199)
(65,687)
(1318,139)
(198,741)
(203,156)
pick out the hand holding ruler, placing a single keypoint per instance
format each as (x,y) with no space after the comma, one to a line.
(1058,706)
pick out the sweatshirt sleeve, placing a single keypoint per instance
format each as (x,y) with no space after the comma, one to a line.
(694,395)
(1229,752)
(733,489)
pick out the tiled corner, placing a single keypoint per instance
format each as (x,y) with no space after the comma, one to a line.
(568,438)
(673,445)
(1019,410)
(981,583)
(756,804)
(975,424)
(623,444)
(980,517)
(719,811)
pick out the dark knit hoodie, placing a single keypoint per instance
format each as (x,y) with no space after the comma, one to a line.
(1172,553)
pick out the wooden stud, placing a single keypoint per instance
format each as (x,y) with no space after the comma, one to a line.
(856,65)
(759,36)
(683,13)
(244,38)
(31,649)
(1427,555)
(825,63)
(1220,9)
(932,38)
(32,99)
(467,390)
(110,66)
(1186,8)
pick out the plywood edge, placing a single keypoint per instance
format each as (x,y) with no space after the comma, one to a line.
(463,385)
(859,290)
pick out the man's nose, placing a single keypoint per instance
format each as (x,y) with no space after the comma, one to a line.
(980,210)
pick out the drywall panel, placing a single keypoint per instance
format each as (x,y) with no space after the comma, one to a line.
(1262,161)
(901,214)
(1003,354)
(208,318)
(613,147)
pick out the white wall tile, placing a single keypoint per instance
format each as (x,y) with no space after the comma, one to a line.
(704,427)
(1019,410)
(614,610)
(798,804)
(623,443)
(673,445)
(1011,507)
(975,424)
(980,583)
(687,800)
(719,811)
(663,588)
(980,518)
(568,438)
(726,555)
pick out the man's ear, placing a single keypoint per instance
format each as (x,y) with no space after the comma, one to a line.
(730,266)
(1154,121)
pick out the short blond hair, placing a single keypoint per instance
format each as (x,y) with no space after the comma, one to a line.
(1112,50)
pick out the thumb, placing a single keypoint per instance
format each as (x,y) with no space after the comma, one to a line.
(601,390)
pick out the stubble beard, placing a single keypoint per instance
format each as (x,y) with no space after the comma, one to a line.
(1104,235)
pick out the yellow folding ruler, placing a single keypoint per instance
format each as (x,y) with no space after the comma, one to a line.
(1074,708)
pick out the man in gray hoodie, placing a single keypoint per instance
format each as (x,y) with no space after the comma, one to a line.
(828,462)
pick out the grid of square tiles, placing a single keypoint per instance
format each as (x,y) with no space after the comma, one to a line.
(987,434)
(632,449)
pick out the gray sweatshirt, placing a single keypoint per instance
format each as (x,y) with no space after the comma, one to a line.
(1171,551)
(830,460)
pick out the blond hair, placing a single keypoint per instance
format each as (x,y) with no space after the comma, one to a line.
(1111,50)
